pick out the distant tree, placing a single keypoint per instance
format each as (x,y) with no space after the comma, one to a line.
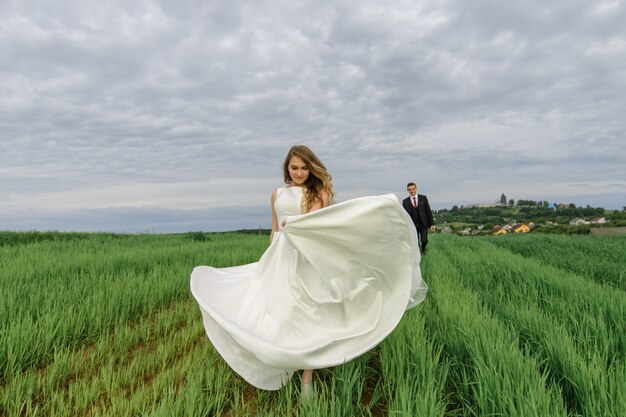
(511,202)
(572,205)
(546,204)
(455,208)
(503,200)
(591,211)
(624,208)
(526,203)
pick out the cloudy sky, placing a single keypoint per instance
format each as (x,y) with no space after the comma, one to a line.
(161,116)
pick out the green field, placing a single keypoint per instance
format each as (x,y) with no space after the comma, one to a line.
(104,325)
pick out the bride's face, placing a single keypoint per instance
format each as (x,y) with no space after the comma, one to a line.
(298,170)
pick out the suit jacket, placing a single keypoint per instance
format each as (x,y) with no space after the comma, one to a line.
(422,216)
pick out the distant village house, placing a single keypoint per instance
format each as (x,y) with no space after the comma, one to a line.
(520,228)
(499,230)
(466,232)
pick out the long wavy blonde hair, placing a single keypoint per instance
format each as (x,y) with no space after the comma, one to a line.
(319,179)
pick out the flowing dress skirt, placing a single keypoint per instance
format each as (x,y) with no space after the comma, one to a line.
(331,286)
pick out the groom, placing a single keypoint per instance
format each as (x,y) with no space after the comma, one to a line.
(418,208)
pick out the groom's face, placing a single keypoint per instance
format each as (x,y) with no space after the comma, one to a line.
(412,190)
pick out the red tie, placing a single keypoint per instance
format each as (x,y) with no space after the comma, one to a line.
(414,202)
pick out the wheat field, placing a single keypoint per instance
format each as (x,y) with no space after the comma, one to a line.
(104,325)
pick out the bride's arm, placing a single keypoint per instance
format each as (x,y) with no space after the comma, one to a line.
(274,219)
(321,204)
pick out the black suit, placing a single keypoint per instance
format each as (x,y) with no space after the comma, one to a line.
(422,217)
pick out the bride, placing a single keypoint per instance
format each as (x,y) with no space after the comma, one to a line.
(334,282)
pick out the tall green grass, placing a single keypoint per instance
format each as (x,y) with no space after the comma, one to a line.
(601,258)
(574,325)
(490,375)
(104,325)
(64,293)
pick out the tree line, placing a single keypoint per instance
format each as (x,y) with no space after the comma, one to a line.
(525,213)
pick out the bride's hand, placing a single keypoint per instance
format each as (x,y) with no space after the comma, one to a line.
(284,223)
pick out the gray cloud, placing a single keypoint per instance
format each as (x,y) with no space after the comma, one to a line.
(102,102)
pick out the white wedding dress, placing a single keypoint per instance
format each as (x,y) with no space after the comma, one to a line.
(331,286)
